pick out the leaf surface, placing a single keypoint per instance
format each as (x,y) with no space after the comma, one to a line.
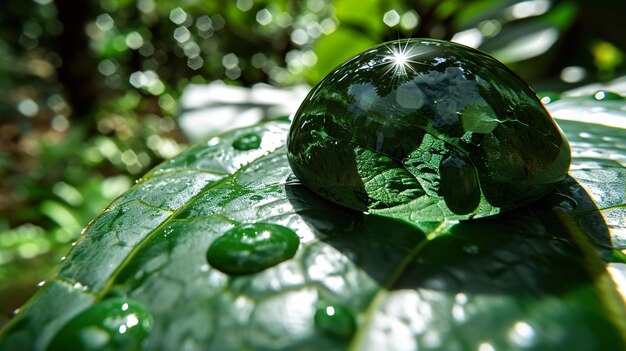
(544,277)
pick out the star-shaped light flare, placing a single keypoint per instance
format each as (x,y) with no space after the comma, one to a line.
(401,59)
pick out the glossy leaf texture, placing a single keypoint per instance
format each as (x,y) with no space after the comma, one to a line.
(549,276)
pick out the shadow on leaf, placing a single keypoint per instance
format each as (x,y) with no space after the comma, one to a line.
(530,251)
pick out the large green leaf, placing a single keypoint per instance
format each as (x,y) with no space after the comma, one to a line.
(544,277)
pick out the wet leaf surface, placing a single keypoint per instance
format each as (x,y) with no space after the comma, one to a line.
(543,277)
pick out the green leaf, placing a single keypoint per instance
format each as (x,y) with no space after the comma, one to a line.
(539,278)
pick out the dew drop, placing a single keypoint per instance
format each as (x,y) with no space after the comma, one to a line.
(250,248)
(248,141)
(335,320)
(547,97)
(113,324)
(604,95)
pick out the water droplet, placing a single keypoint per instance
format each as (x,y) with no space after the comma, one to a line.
(41,283)
(167,231)
(113,324)
(547,97)
(335,320)
(459,184)
(604,95)
(443,122)
(250,248)
(248,141)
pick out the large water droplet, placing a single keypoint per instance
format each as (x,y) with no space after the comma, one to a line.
(250,248)
(248,141)
(113,324)
(371,135)
(335,320)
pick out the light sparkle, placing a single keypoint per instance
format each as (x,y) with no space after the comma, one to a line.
(402,58)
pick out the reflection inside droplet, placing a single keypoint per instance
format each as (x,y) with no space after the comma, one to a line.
(330,310)
(112,324)
(335,320)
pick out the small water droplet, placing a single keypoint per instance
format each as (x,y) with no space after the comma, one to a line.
(16,311)
(41,283)
(112,324)
(547,97)
(335,320)
(604,95)
(250,248)
(167,231)
(248,141)
(63,258)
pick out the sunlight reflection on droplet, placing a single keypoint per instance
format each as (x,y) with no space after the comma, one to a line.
(132,320)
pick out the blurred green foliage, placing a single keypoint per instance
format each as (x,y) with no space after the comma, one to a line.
(90,88)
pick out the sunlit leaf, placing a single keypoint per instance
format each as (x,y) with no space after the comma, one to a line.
(534,278)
